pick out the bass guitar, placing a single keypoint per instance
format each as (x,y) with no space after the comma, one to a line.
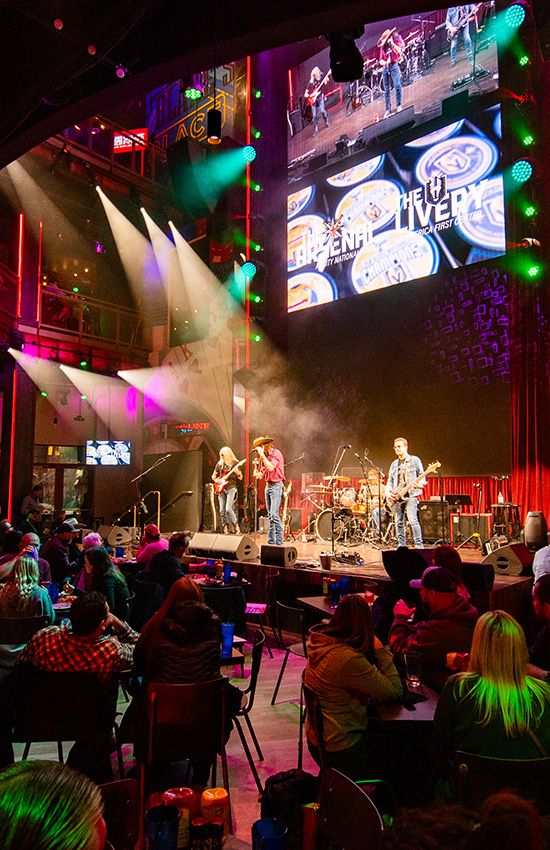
(221,483)
(313,95)
(462,21)
(393,497)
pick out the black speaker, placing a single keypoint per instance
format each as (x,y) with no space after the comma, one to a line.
(437,42)
(535,531)
(387,126)
(233,547)
(433,527)
(278,556)
(512,560)
(464,525)
(478,576)
(296,519)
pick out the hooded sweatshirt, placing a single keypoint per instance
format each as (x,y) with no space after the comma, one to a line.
(344,679)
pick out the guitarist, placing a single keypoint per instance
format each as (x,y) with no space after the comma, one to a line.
(392,52)
(402,471)
(315,97)
(457,22)
(227,497)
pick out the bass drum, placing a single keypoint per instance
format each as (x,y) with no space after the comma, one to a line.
(323,526)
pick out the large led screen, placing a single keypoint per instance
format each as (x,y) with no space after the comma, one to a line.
(435,55)
(435,203)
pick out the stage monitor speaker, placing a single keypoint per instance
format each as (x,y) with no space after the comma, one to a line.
(278,556)
(478,576)
(512,560)
(535,531)
(541,12)
(118,535)
(387,126)
(317,162)
(433,526)
(464,525)
(232,547)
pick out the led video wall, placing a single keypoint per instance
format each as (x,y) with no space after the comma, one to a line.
(435,203)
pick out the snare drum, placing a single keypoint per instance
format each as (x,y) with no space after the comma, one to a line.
(347,497)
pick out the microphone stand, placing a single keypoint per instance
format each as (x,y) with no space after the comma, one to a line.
(137,509)
(379,476)
(340,452)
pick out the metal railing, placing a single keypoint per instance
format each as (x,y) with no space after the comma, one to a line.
(86,317)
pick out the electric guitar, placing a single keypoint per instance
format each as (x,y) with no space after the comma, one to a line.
(221,483)
(396,496)
(462,21)
(313,95)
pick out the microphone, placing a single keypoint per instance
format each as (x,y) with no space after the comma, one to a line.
(366,453)
(357,456)
(143,507)
(347,446)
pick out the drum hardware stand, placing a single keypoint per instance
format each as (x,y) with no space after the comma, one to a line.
(475,536)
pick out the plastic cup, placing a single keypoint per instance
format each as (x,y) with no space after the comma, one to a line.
(226,573)
(334,594)
(119,551)
(228,631)
(161,828)
(269,834)
(413,668)
(54,591)
(344,585)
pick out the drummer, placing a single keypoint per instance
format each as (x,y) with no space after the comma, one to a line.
(375,480)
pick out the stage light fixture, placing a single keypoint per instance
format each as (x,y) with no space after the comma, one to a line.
(44,394)
(249,269)
(256,247)
(257,337)
(346,60)
(92,49)
(524,60)
(214,126)
(58,24)
(514,16)
(521,171)
(256,187)
(528,140)
(121,71)
(76,289)
(530,211)
(249,153)
(533,270)
(193,93)
(256,133)
(258,94)
(83,396)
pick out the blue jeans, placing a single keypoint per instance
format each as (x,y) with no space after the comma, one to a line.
(317,109)
(273,496)
(392,73)
(409,508)
(226,501)
(465,34)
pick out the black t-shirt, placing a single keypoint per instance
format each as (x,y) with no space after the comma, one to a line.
(165,569)
(220,469)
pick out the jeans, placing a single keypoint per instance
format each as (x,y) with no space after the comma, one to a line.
(392,72)
(465,34)
(317,109)
(273,496)
(409,508)
(226,502)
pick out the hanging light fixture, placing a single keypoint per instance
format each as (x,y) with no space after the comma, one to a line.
(214,116)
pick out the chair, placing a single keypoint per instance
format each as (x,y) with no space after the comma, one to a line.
(310,707)
(148,598)
(348,819)
(257,650)
(19,630)
(264,610)
(289,619)
(185,722)
(228,603)
(62,707)
(477,777)
(121,802)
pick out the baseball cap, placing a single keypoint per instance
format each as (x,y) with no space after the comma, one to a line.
(64,527)
(152,530)
(73,523)
(436,578)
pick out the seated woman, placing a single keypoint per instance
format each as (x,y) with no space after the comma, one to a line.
(22,596)
(346,665)
(99,573)
(494,709)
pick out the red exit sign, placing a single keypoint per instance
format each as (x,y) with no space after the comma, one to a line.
(138,141)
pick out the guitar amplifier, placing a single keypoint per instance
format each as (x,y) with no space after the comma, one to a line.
(464,525)
(434,526)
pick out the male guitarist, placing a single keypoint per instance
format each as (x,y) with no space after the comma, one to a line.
(457,22)
(225,477)
(315,97)
(403,471)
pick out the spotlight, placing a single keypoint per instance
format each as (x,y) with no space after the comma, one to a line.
(514,16)
(346,60)
(121,71)
(257,337)
(249,153)
(44,394)
(58,24)
(214,126)
(534,270)
(256,187)
(521,171)
(256,133)
(249,269)
(193,93)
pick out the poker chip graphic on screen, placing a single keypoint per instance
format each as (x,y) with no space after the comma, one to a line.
(356,174)
(308,289)
(484,226)
(369,205)
(393,257)
(437,135)
(465,159)
(298,201)
(305,236)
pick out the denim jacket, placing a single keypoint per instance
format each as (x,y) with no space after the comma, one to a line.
(413,469)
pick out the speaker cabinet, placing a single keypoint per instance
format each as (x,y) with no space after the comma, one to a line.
(478,576)
(433,526)
(118,535)
(512,560)
(464,525)
(233,547)
(278,556)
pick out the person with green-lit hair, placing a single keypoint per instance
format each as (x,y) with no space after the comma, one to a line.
(45,805)
(495,709)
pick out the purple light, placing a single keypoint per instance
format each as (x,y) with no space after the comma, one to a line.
(132,399)
(99,247)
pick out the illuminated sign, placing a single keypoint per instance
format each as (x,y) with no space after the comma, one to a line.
(138,141)
(188,427)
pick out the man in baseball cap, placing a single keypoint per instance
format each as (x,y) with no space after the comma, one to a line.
(448,626)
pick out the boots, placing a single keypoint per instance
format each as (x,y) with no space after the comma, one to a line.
(236,528)
(225,529)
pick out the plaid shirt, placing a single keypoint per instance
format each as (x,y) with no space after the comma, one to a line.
(57,650)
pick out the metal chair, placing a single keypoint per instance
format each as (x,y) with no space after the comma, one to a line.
(257,650)
(291,620)
(263,611)
(348,819)
(121,804)
(477,777)
(310,707)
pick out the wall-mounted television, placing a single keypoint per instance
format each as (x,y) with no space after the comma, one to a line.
(108,452)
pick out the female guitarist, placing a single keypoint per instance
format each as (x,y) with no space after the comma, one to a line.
(225,475)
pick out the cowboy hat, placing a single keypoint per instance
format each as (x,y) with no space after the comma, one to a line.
(261,441)
(385,35)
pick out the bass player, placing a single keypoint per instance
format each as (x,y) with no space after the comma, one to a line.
(225,475)
(404,470)
(457,23)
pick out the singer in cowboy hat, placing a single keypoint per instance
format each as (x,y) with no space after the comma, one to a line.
(392,51)
(270,465)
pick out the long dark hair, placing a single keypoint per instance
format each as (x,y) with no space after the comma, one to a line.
(101,566)
(352,623)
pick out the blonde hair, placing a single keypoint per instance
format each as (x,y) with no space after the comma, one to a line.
(26,576)
(496,678)
(401,440)
(227,455)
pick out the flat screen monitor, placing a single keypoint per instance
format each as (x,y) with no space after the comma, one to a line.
(108,452)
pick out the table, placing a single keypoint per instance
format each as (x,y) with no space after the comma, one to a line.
(319,604)
(395,712)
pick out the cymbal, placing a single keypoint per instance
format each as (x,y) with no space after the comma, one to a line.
(337,478)
(317,487)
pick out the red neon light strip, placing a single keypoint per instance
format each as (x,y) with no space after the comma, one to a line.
(39,277)
(290,89)
(20,264)
(12,443)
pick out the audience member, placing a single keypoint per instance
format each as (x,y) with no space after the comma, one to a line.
(55,552)
(448,627)
(539,654)
(401,565)
(507,821)
(29,544)
(45,805)
(5,526)
(60,516)
(541,563)
(73,551)
(33,501)
(32,522)
(449,558)
(346,664)
(99,573)
(166,567)
(494,709)
(93,540)
(150,544)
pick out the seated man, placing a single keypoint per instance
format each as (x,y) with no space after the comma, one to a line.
(150,544)
(32,522)
(539,654)
(28,545)
(56,552)
(165,567)
(448,627)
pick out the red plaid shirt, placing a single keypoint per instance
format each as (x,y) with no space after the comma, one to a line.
(58,650)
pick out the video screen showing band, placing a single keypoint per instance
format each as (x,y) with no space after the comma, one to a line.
(410,64)
(435,203)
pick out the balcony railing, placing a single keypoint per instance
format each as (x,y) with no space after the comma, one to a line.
(89,318)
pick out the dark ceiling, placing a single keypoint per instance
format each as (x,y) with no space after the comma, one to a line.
(49,79)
